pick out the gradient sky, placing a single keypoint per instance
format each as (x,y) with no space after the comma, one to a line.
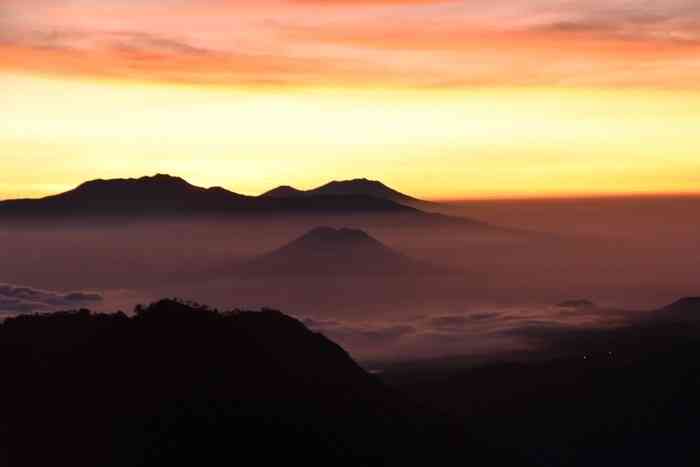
(442,99)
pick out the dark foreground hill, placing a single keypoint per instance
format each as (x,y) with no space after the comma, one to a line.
(628,395)
(185,385)
(337,252)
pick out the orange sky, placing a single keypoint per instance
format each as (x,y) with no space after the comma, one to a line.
(443,99)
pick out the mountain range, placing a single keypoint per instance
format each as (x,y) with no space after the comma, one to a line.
(166,196)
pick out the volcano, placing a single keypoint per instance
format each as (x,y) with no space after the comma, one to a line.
(327,250)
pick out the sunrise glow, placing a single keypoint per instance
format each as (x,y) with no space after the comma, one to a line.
(442,99)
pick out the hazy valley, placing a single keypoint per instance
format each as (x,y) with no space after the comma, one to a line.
(458,283)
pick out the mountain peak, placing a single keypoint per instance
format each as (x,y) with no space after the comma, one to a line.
(159,193)
(356,183)
(158,184)
(363,186)
(362,180)
(164,178)
(327,250)
(151,181)
(353,187)
(282,191)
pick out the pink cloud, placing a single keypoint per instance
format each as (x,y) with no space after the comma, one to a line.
(348,42)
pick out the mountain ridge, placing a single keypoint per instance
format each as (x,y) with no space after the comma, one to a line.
(362,186)
(167,197)
(166,194)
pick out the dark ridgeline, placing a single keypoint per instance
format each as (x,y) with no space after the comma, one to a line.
(165,196)
(606,397)
(284,191)
(184,385)
(359,186)
(338,252)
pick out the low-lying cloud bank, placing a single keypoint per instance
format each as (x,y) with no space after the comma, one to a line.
(18,299)
(479,332)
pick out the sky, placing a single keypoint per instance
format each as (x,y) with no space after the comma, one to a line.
(441,99)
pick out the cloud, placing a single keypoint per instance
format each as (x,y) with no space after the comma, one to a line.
(483,334)
(369,3)
(627,26)
(320,323)
(140,56)
(449,321)
(91,40)
(416,43)
(361,333)
(19,299)
(539,330)
(457,321)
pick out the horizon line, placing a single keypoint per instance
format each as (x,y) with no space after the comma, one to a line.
(474,197)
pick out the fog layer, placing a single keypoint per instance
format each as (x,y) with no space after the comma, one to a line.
(632,254)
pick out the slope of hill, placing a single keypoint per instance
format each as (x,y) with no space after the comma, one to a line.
(180,384)
(325,250)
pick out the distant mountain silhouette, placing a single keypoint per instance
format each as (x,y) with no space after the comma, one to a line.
(359,186)
(181,384)
(284,191)
(326,250)
(168,195)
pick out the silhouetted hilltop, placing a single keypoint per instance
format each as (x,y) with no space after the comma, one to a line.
(159,185)
(689,306)
(168,195)
(179,384)
(363,186)
(359,186)
(326,250)
(145,195)
(284,191)
(172,198)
